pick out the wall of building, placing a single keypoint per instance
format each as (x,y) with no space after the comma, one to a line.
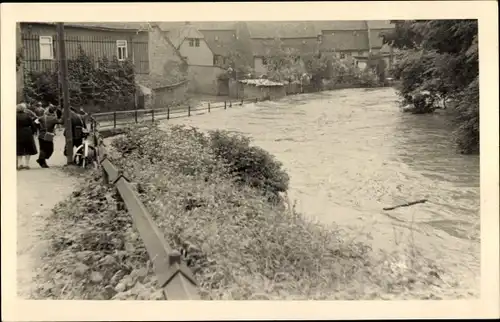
(201,55)
(170,95)
(98,43)
(261,92)
(203,79)
(166,67)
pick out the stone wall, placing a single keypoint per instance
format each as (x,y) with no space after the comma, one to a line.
(203,79)
(169,95)
(166,66)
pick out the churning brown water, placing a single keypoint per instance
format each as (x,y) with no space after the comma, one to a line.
(351,153)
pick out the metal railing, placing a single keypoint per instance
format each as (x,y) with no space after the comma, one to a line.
(119,118)
(174,277)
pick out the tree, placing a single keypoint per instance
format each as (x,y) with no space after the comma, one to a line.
(442,58)
(283,63)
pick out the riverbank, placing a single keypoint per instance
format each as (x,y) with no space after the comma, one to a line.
(241,244)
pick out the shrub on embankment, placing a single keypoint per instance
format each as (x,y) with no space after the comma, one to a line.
(240,245)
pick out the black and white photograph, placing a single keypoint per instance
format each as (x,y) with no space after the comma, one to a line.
(248,159)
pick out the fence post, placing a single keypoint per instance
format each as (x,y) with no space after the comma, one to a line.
(208,107)
(225,105)
(256,100)
(168,112)
(114,119)
(189,110)
(153,115)
(135,115)
(241,102)
(230,104)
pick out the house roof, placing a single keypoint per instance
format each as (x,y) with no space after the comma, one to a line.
(262,47)
(282,29)
(380,24)
(177,35)
(200,25)
(221,42)
(344,41)
(130,26)
(341,25)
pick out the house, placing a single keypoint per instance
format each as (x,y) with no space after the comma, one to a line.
(127,40)
(301,36)
(158,65)
(354,39)
(205,52)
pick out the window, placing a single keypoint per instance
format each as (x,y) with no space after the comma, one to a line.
(121,50)
(46,48)
(194,42)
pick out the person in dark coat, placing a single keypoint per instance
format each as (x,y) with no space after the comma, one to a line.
(78,125)
(24,136)
(46,135)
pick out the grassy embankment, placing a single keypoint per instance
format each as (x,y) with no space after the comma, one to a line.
(223,200)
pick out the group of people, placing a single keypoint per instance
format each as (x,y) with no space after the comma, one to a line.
(41,122)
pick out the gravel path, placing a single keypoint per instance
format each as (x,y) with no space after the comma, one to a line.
(38,191)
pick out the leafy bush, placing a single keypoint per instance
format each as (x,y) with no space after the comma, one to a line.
(107,85)
(467,132)
(239,246)
(252,165)
(441,57)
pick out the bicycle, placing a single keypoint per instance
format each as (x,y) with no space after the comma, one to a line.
(86,154)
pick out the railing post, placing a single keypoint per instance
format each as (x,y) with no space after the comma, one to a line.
(208,107)
(153,115)
(135,115)
(114,119)
(189,110)
(225,105)
(168,112)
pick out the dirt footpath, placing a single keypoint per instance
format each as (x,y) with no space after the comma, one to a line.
(38,191)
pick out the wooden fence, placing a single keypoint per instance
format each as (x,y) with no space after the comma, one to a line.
(174,276)
(94,45)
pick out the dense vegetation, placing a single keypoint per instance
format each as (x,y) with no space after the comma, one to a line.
(221,199)
(440,57)
(325,71)
(101,85)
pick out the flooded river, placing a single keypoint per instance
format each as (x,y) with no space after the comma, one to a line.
(351,153)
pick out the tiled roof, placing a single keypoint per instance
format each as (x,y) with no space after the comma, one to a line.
(282,29)
(341,25)
(380,24)
(132,26)
(261,47)
(178,35)
(201,25)
(221,42)
(345,40)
